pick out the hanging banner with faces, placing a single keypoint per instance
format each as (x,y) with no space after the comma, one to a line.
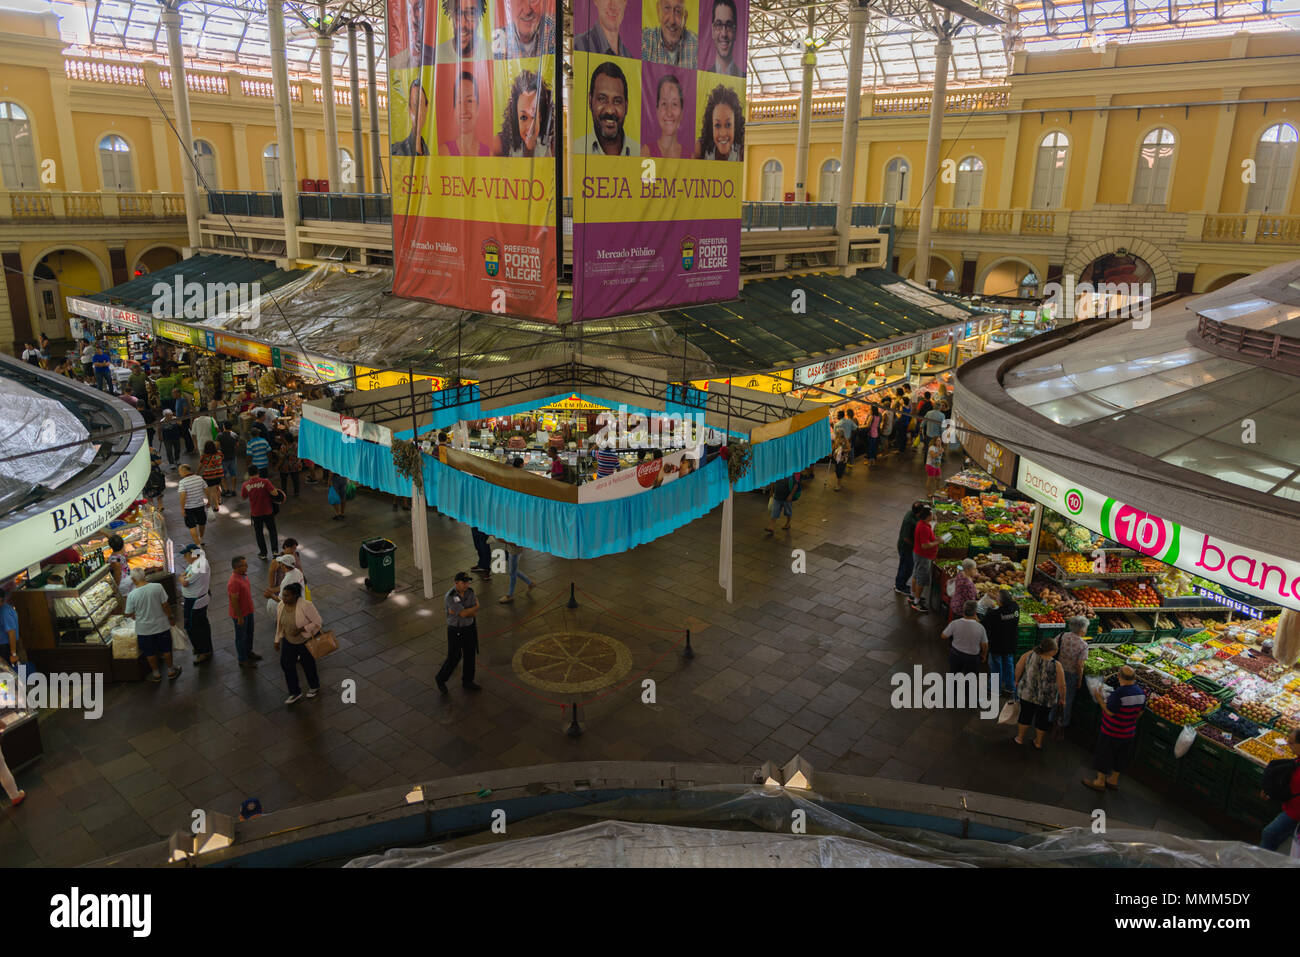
(657,127)
(472,127)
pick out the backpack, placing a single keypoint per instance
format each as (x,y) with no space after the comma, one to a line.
(1277,779)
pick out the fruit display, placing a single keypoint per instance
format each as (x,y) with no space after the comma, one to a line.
(1230,720)
(1274,671)
(1254,710)
(1050,618)
(1269,746)
(1197,701)
(1218,735)
(1002,573)
(1187,621)
(1254,663)
(1139,594)
(1102,599)
(1171,710)
(1287,723)
(1072,537)
(1155,682)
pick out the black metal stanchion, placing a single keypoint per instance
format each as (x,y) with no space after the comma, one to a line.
(689,652)
(574,729)
(573,601)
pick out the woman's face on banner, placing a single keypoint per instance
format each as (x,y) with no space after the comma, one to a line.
(526,112)
(467,107)
(724,130)
(419,105)
(670,109)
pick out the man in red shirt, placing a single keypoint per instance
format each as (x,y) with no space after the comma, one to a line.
(925,549)
(240,593)
(261,493)
(1285,824)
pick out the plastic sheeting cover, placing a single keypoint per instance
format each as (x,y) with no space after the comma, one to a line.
(735,826)
(29,421)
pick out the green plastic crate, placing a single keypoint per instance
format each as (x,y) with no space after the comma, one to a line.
(1152,725)
(1161,762)
(1211,789)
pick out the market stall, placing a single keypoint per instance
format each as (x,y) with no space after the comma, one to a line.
(1218,689)
(70,614)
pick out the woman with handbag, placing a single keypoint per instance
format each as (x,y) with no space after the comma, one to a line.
(1040,682)
(296,621)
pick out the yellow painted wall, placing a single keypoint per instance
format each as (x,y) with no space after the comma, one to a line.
(29,87)
(1251,122)
(76,274)
(222,139)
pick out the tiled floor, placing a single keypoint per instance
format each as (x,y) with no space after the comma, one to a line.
(799,662)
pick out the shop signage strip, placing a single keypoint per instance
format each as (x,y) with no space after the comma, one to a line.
(833,368)
(103,313)
(1274,579)
(650,474)
(68,522)
(351,429)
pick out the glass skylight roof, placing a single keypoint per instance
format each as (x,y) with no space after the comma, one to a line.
(1153,393)
(899,49)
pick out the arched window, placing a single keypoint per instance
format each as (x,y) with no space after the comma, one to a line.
(829,191)
(1029,286)
(771,181)
(205,162)
(1274,169)
(1155,166)
(897,180)
(970,182)
(949,281)
(271,166)
(347,172)
(115,163)
(1049,171)
(17,153)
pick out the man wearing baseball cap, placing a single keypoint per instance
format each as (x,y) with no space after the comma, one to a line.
(462,634)
(196,581)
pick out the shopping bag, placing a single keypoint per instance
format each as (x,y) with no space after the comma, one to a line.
(322,644)
(1010,711)
(272,607)
(1186,738)
(351,491)
(180,640)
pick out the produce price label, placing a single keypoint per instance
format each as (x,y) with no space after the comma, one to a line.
(1274,579)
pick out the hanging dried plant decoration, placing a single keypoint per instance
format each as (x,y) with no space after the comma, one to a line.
(739,456)
(407,459)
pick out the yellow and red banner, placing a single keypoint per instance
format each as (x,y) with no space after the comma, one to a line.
(472,127)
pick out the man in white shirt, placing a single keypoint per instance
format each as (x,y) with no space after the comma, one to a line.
(147,605)
(193,493)
(196,588)
(969,648)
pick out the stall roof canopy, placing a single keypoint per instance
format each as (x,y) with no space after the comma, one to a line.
(352,316)
(138,294)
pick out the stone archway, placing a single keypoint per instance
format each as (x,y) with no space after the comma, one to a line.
(1165,274)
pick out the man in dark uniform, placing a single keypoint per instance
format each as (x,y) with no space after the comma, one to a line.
(462,634)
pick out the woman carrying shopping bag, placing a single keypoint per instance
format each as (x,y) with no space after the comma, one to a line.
(296,622)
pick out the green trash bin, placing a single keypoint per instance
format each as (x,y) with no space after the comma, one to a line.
(378,558)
